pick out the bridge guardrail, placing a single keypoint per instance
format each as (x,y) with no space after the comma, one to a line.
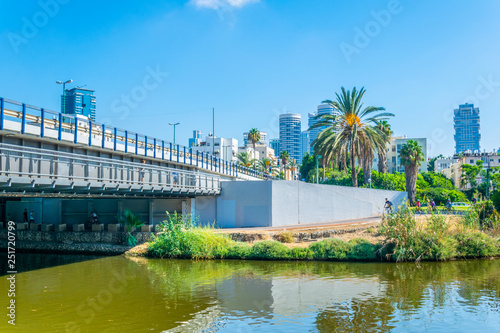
(27,119)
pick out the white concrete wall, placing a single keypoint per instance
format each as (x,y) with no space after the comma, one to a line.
(280,203)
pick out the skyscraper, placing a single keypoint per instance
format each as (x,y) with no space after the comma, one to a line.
(290,135)
(275,145)
(313,134)
(466,124)
(196,139)
(80,101)
(304,140)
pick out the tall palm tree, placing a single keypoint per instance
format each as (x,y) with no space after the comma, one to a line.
(244,160)
(285,157)
(253,137)
(385,127)
(293,166)
(353,131)
(411,157)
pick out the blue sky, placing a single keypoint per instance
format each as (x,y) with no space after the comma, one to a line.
(155,62)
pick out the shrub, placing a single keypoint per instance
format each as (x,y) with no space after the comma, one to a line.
(476,244)
(488,216)
(239,251)
(269,250)
(301,253)
(361,249)
(330,249)
(285,237)
(496,199)
(130,223)
(181,239)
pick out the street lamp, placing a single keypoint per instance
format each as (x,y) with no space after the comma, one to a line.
(63,103)
(317,168)
(174,124)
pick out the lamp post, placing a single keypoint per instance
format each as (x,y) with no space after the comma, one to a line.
(174,124)
(317,168)
(63,103)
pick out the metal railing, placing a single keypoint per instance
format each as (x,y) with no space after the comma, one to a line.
(27,119)
(38,163)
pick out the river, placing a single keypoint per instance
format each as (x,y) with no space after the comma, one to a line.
(119,294)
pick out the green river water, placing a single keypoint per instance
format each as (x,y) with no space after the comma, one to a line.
(119,294)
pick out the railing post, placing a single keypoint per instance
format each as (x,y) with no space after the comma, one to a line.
(114,134)
(162,149)
(191,156)
(154,148)
(23,119)
(136,143)
(42,122)
(126,141)
(90,132)
(211,162)
(184,149)
(197,157)
(59,134)
(146,145)
(75,139)
(2,106)
(103,136)
(170,151)
(177,153)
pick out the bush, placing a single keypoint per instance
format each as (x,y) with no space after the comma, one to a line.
(181,239)
(239,251)
(269,250)
(441,195)
(361,249)
(496,199)
(330,249)
(476,244)
(301,253)
(285,237)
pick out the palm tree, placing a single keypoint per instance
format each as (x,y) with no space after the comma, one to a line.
(285,157)
(385,127)
(245,160)
(130,222)
(353,132)
(253,137)
(267,165)
(411,157)
(293,165)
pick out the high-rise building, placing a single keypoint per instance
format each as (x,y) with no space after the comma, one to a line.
(466,124)
(305,143)
(290,135)
(80,101)
(196,139)
(263,138)
(313,134)
(275,145)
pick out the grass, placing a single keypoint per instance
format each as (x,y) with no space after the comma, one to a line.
(406,239)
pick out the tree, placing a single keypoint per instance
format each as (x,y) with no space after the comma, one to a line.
(244,160)
(253,137)
(382,152)
(268,165)
(130,223)
(308,164)
(354,132)
(470,173)
(411,156)
(285,157)
(293,166)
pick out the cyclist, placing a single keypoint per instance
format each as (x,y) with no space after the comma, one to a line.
(419,205)
(448,205)
(388,206)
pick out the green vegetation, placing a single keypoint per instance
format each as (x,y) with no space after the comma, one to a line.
(406,239)
(130,223)
(354,133)
(411,156)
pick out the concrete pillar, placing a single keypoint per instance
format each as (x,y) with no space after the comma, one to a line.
(151,212)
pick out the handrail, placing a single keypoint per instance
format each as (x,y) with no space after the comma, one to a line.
(97,135)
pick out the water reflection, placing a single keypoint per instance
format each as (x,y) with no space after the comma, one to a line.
(121,294)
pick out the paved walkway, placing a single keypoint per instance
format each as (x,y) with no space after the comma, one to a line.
(353,222)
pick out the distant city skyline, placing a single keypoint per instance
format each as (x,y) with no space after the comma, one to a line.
(156,62)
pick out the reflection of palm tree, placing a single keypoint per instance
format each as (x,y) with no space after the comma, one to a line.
(353,132)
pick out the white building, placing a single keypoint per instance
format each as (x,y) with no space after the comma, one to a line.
(393,150)
(224,148)
(263,138)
